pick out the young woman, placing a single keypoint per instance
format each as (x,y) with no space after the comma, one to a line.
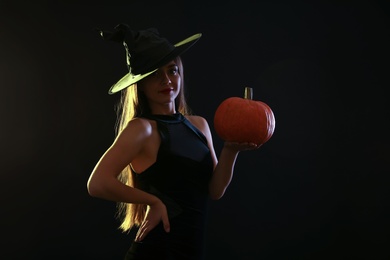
(161,168)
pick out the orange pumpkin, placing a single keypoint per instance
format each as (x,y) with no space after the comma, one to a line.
(244,120)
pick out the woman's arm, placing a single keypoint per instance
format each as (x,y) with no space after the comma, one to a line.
(223,172)
(103,182)
(224,165)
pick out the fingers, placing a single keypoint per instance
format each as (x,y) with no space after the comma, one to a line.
(243,146)
(154,215)
(166,224)
(252,146)
(138,236)
(143,230)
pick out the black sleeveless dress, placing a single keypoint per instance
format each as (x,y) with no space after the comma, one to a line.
(180,178)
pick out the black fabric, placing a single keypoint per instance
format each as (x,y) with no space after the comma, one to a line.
(180,178)
(145,49)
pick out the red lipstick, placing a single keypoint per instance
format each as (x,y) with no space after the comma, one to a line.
(166,91)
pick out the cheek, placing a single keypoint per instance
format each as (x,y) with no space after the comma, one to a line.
(147,84)
(145,89)
(178,82)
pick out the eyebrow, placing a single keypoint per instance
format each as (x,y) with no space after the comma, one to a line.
(172,65)
(169,65)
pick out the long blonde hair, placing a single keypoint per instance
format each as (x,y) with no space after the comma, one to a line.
(133,103)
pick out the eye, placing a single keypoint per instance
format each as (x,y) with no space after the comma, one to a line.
(174,70)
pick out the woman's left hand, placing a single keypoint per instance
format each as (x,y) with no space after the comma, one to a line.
(241,146)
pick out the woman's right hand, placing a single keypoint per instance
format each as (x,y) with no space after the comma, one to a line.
(154,214)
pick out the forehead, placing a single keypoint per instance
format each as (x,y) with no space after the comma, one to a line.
(162,69)
(169,64)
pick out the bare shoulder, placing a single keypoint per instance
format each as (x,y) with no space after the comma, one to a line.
(139,122)
(202,124)
(199,122)
(138,127)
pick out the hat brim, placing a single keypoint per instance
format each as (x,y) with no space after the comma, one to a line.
(130,79)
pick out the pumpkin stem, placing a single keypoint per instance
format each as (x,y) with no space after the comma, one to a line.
(248,94)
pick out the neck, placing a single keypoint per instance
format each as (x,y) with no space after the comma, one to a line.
(167,109)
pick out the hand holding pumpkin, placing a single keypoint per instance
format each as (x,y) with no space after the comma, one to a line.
(241,146)
(244,120)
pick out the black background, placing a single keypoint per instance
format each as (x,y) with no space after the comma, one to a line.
(318,189)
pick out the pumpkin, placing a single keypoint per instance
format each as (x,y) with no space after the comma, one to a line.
(244,120)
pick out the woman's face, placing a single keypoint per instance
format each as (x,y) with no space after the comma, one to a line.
(162,87)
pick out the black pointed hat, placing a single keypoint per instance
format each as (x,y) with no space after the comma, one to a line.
(146,51)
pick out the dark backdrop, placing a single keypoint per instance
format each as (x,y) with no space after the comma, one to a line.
(318,189)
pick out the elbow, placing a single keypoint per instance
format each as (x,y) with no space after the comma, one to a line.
(93,188)
(216,195)
(91,191)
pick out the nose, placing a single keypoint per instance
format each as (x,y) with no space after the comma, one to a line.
(165,79)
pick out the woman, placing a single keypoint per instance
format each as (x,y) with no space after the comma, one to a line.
(161,168)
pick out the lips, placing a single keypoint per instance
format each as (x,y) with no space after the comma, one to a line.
(166,90)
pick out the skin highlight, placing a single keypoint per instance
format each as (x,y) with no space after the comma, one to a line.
(136,146)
